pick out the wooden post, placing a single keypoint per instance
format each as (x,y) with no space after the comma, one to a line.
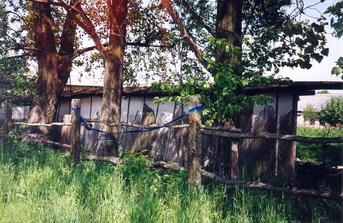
(75,130)
(8,116)
(324,148)
(234,160)
(194,167)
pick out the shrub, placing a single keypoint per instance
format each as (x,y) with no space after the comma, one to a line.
(332,112)
(323,92)
(310,114)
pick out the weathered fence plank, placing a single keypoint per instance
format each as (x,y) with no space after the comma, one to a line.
(75,130)
(234,160)
(8,116)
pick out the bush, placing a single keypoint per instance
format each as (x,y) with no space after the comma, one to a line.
(332,112)
(310,114)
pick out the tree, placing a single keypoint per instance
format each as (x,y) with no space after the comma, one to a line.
(54,66)
(113,21)
(244,41)
(35,34)
(12,69)
(332,112)
(310,114)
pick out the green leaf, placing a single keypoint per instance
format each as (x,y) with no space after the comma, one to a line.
(317,57)
(325,51)
(340,61)
(309,49)
(336,71)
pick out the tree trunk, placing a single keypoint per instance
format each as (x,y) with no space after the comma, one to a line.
(111,105)
(44,103)
(53,69)
(229,27)
(67,50)
(114,58)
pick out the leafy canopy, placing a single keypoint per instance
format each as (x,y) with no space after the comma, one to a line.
(332,112)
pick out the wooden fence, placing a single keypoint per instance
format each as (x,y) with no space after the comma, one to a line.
(204,151)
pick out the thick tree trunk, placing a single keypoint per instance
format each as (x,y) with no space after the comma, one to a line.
(67,50)
(114,58)
(111,104)
(44,103)
(53,69)
(229,27)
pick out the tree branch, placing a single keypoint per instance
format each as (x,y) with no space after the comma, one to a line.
(15,56)
(199,55)
(85,23)
(139,44)
(193,13)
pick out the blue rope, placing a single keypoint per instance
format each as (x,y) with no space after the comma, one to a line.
(157,127)
(196,108)
(90,127)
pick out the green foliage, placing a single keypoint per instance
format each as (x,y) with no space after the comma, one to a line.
(310,113)
(314,152)
(336,22)
(338,69)
(332,112)
(323,92)
(12,70)
(221,97)
(37,184)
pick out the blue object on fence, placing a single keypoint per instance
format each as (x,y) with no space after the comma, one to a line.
(90,128)
(106,140)
(195,108)
(157,127)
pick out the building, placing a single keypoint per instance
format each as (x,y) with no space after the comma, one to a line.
(261,158)
(317,101)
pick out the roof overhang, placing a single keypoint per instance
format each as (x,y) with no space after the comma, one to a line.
(297,87)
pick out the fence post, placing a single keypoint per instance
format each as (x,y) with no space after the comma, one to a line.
(75,130)
(8,116)
(194,167)
(234,159)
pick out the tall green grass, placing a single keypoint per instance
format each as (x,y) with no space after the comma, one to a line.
(37,184)
(314,152)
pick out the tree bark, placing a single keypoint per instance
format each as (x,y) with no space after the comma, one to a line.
(53,68)
(113,58)
(67,49)
(44,103)
(229,27)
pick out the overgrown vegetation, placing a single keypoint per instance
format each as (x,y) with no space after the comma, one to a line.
(314,152)
(332,112)
(310,114)
(37,184)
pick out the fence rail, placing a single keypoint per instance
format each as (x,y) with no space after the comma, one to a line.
(267,135)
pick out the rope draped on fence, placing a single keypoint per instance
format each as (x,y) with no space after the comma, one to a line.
(89,127)
(145,129)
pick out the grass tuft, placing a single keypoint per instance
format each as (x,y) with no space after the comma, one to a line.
(37,184)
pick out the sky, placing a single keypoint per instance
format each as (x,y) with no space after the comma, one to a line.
(318,71)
